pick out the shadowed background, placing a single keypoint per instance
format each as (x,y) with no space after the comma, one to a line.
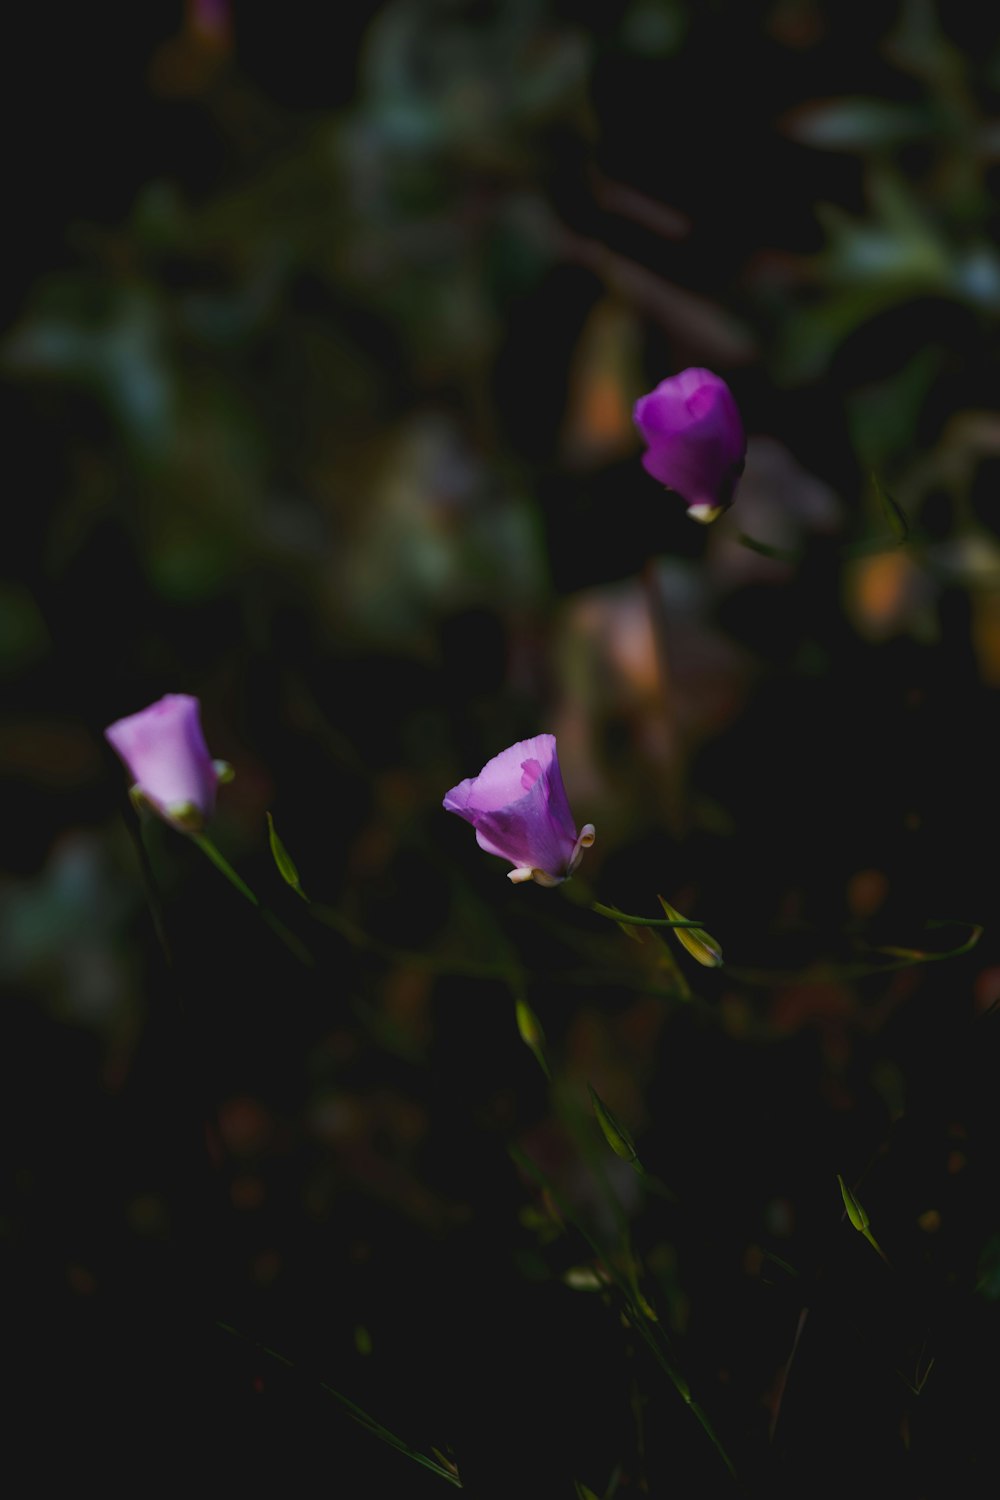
(322,334)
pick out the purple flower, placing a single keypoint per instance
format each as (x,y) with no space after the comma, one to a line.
(517,805)
(165,753)
(695,440)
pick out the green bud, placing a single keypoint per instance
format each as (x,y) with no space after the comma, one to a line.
(224,772)
(532,1035)
(859,1218)
(529,1026)
(699,943)
(286,865)
(855,1212)
(617,1137)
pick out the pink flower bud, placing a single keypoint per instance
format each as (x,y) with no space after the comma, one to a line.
(517,805)
(695,440)
(164,751)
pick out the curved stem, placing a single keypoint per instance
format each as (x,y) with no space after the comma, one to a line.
(629,921)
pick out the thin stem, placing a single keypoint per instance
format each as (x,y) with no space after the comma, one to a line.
(783,1378)
(149,885)
(779,554)
(629,921)
(652,1335)
(276,925)
(220,862)
(357,1412)
(673,756)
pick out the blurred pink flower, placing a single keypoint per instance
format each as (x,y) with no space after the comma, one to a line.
(695,440)
(164,751)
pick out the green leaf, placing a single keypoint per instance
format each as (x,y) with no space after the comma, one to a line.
(445,1469)
(857,124)
(855,1212)
(286,865)
(894,513)
(616,1135)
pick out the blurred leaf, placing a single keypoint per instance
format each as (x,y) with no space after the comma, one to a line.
(531,1033)
(105,338)
(655,28)
(894,513)
(286,865)
(884,420)
(857,124)
(23,636)
(988,1270)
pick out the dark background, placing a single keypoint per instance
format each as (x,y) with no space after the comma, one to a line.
(322,333)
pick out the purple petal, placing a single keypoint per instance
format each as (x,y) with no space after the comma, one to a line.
(164,750)
(518,807)
(694,435)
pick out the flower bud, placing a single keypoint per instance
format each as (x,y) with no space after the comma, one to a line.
(855,1212)
(695,440)
(164,751)
(858,1216)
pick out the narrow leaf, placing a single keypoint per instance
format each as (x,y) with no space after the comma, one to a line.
(894,513)
(615,1133)
(855,1212)
(357,1412)
(287,868)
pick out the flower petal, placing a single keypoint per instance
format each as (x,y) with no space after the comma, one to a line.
(164,750)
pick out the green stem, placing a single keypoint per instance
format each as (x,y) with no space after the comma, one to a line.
(220,862)
(652,1335)
(276,925)
(622,916)
(149,885)
(357,1412)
